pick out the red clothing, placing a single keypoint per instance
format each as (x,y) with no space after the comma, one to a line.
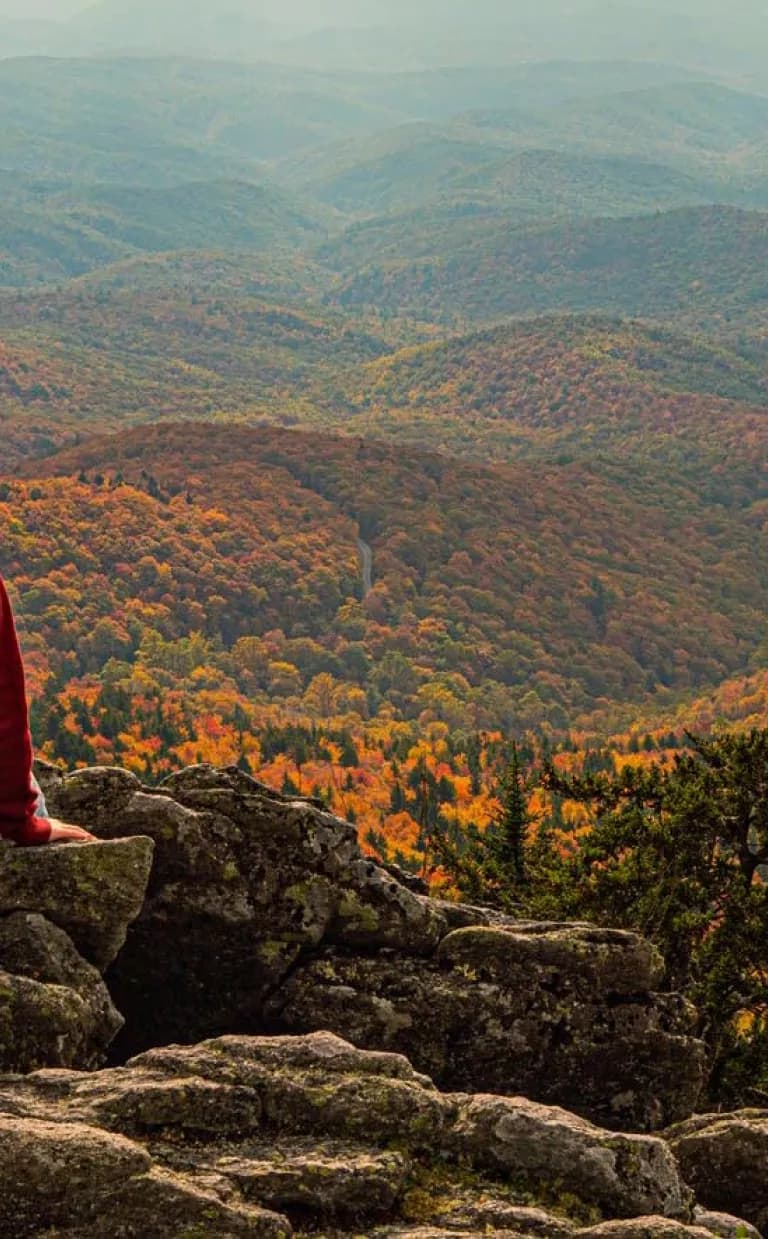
(17,795)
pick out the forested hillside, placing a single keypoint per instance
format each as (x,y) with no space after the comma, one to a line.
(702,267)
(497,334)
(605,153)
(580,389)
(485,577)
(50,233)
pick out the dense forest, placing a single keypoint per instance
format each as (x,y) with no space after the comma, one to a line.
(498,336)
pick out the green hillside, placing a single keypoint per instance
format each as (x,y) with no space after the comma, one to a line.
(241,216)
(660,146)
(50,232)
(104,350)
(154,121)
(703,266)
(560,183)
(405,167)
(166,121)
(281,276)
(638,402)
(692,126)
(401,236)
(419,164)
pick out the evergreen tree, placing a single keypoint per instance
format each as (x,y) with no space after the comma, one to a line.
(492,867)
(507,837)
(678,853)
(474,750)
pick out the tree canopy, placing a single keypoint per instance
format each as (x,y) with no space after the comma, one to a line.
(677,852)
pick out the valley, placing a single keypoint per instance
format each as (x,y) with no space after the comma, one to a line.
(354,421)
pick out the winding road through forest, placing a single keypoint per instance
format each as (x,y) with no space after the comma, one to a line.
(366,564)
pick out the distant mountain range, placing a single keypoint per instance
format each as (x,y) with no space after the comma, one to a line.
(704,267)
(370,33)
(137,120)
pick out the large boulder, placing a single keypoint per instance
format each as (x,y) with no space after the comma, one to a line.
(725,1159)
(93,893)
(64,914)
(258,1136)
(71,1179)
(56,1010)
(560,1013)
(263,915)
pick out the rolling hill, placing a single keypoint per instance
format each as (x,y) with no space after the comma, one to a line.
(531,591)
(147,341)
(155,122)
(630,399)
(405,167)
(422,165)
(690,126)
(664,145)
(559,183)
(702,266)
(51,232)
(189,336)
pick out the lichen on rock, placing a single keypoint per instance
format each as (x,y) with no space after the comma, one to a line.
(309,1133)
(260,919)
(263,915)
(64,915)
(725,1159)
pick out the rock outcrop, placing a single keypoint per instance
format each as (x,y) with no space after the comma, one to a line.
(725,1158)
(263,916)
(216,906)
(270,1136)
(553,1012)
(64,915)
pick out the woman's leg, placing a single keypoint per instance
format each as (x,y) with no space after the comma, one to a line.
(19,795)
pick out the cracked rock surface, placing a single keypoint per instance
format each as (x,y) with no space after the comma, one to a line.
(276,1136)
(226,915)
(263,916)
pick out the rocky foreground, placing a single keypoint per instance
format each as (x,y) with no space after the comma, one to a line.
(215,911)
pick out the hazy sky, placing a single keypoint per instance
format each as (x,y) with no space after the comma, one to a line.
(321,12)
(41,8)
(330,10)
(728,40)
(314,14)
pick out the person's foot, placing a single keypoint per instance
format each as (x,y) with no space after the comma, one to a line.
(62,833)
